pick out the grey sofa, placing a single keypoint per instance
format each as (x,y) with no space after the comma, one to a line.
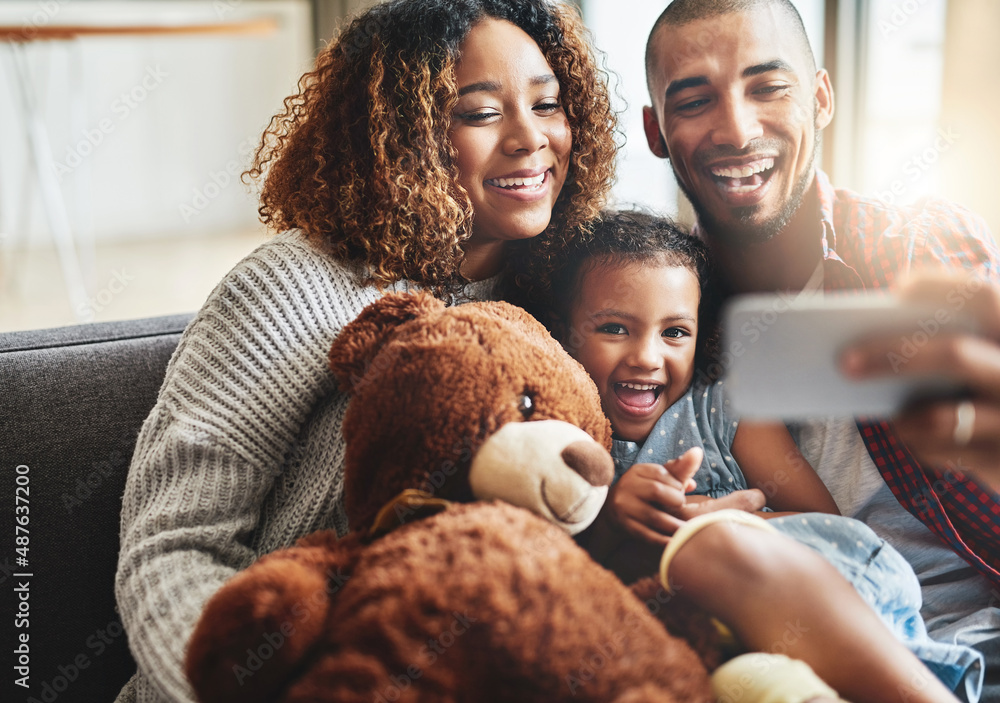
(72,401)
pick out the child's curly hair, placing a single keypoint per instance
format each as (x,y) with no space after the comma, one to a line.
(360,158)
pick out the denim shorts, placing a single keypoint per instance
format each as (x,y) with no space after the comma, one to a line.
(886,581)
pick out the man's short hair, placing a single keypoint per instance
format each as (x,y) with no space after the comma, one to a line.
(681,12)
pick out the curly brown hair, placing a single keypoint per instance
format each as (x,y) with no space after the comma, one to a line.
(360,159)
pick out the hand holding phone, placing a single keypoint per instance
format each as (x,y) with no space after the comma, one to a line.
(781,353)
(962,433)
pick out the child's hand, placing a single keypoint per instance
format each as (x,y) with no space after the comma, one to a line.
(648,500)
(684,467)
(748,500)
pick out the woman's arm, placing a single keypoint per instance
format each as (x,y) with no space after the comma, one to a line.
(247,377)
(770,461)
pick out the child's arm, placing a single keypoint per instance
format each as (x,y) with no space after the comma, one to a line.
(649,500)
(771,462)
(646,507)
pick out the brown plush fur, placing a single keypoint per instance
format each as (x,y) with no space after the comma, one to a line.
(482,601)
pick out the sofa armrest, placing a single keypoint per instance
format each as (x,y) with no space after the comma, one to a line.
(72,401)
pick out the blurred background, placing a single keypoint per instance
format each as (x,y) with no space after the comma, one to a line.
(124,126)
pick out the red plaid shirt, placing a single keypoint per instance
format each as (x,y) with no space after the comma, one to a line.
(866,245)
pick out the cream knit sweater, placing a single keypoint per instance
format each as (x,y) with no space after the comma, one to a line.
(242,453)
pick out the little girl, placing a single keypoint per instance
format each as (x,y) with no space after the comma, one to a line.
(628,304)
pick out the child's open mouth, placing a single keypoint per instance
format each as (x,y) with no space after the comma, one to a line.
(638,396)
(738,180)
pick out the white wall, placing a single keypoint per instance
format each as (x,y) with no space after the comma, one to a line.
(148,131)
(620,28)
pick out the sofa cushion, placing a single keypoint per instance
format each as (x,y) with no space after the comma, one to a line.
(72,401)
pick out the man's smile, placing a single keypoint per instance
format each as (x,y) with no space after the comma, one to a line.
(742,178)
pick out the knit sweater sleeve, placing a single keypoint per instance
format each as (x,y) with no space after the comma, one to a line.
(249,371)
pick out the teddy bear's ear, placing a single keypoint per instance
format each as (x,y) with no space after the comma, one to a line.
(513,313)
(359,341)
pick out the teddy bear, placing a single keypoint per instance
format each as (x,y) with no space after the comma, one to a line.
(476,448)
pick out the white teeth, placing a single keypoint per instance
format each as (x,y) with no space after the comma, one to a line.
(744,171)
(639,386)
(513,182)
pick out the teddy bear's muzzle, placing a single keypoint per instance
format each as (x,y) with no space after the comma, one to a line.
(550,467)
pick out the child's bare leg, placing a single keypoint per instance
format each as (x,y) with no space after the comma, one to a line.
(779,596)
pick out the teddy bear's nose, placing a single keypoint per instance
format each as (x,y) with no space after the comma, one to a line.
(590,460)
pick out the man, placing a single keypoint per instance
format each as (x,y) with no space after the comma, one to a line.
(737,108)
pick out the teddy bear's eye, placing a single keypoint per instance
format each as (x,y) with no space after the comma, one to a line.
(526,406)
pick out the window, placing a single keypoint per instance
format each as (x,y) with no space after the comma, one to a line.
(894,147)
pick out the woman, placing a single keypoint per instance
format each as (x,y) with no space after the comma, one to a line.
(433,140)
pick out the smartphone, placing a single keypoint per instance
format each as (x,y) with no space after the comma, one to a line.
(780,353)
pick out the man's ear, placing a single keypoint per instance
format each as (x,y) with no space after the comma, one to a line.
(824,99)
(654,138)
